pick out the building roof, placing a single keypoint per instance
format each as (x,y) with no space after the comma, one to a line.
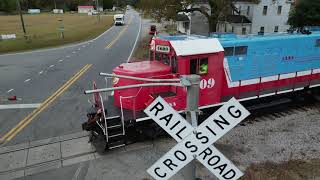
(182,17)
(236,19)
(196,46)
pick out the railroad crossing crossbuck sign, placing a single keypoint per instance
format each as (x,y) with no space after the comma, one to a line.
(195,143)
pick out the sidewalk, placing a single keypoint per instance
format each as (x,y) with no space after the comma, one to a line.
(39,156)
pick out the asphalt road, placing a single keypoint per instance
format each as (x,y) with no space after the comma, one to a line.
(56,78)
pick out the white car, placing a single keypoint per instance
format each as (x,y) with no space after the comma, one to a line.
(95,12)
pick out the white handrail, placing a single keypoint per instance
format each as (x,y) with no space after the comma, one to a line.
(140,79)
(127,97)
(106,94)
(104,117)
(132,86)
(122,116)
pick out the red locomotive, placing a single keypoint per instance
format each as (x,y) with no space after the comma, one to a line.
(250,68)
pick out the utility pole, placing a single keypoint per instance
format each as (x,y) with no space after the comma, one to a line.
(98,9)
(55,4)
(189,171)
(21,17)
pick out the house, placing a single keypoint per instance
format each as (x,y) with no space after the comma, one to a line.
(198,23)
(183,23)
(85,9)
(238,24)
(267,16)
(34,11)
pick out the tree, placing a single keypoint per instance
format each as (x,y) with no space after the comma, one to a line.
(107,4)
(7,5)
(305,13)
(165,8)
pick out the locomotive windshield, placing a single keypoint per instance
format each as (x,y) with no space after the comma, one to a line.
(167,60)
(164,58)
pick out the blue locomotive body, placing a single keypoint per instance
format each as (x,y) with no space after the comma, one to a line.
(251,57)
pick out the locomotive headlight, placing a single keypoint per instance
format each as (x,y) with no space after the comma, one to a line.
(115,80)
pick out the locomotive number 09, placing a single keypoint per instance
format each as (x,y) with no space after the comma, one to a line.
(207,84)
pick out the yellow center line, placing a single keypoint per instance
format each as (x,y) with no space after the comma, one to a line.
(22,124)
(118,36)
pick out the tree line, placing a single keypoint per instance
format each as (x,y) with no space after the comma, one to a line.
(304,12)
(8,6)
(213,10)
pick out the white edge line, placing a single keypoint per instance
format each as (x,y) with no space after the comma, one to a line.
(10,90)
(27,80)
(76,174)
(58,48)
(135,43)
(19,106)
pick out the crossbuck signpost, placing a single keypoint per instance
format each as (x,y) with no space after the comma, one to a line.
(195,142)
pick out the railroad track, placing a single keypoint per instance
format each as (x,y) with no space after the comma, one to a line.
(281,111)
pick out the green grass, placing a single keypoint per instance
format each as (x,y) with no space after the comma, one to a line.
(141,53)
(43,30)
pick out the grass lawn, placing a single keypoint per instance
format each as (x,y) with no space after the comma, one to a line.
(43,30)
(141,53)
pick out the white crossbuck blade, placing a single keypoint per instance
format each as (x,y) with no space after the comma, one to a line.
(195,142)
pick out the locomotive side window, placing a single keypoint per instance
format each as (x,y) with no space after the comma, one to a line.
(241,50)
(228,51)
(199,66)
(318,43)
(203,68)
